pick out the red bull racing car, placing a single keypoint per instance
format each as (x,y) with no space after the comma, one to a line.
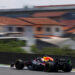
(46,63)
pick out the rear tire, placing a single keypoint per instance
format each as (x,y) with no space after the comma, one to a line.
(67,67)
(19,64)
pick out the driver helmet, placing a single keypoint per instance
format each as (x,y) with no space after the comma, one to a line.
(47,58)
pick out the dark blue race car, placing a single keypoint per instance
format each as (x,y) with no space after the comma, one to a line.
(47,64)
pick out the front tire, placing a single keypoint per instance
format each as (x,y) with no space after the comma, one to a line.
(19,64)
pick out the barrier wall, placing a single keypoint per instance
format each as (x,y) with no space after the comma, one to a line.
(8,58)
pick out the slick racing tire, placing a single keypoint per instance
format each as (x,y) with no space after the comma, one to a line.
(49,67)
(67,67)
(19,64)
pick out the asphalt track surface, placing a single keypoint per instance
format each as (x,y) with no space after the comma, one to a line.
(13,71)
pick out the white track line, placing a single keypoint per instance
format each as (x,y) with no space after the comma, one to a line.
(72,71)
(5,66)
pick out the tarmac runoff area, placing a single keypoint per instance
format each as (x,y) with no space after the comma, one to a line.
(4,68)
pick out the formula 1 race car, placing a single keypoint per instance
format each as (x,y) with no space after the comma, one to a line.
(46,63)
